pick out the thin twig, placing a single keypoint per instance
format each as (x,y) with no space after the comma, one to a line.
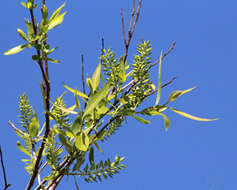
(131,27)
(102,45)
(123,30)
(15,128)
(165,54)
(82,74)
(3,170)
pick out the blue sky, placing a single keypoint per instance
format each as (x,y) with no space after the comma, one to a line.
(191,155)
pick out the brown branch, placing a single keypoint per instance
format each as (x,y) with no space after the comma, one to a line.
(4,172)
(102,45)
(165,54)
(123,30)
(82,74)
(131,27)
(46,89)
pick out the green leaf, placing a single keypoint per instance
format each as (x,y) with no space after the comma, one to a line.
(89,83)
(82,141)
(191,116)
(97,146)
(56,21)
(166,119)
(55,13)
(174,95)
(22,34)
(67,110)
(159,81)
(53,60)
(65,143)
(77,102)
(96,98)
(34,126)
(22,149)
(24,4)
(122,74)
(91,156)
(82,95)
(30,29)
(141,120)
(77,125)
(96,77)
(45,14)
(15,50)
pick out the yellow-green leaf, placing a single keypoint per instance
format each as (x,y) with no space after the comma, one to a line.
(191,116)
(96,98)
(22,34)
(34,126)
(53,60)
(77,125)
(159,81)
(174,95)
(122,74)
(82,95)
(82,141)
(97,146)
(22,149)
(68,110)
(96,77)
(55,13)
(77,102)
(15,50)
(56,21)
(89,83)
(141,120)
(166,120)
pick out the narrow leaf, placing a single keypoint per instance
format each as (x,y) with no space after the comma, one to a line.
(24,4)
(166,119)
(191,116)
(96,98)
(15,50)
(75,92)
(22,34)
(159,81)
(77,102)
(56,21)
(141,120)
(96,77)
(53,60)
(67,110)
(22,149)
(122,74)
(97,146)
(34,126)
(55,13)
(174,95)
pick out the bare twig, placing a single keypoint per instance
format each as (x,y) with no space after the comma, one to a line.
(131,27)
(3,170)
(15,128)
(165,54)
(102,45)
(82,74)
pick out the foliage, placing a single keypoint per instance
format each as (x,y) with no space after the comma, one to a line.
(66,143)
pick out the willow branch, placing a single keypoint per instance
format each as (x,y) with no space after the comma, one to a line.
(46,89)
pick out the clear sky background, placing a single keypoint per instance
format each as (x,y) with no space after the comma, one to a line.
(191,155)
